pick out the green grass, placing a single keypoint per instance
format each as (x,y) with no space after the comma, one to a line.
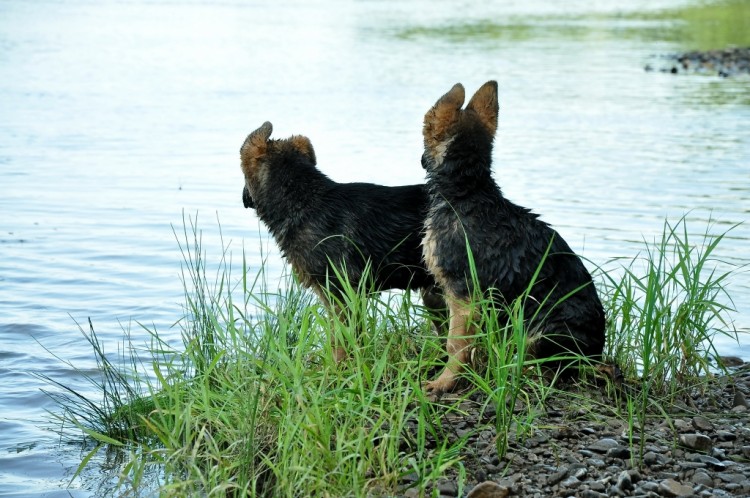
(251,403)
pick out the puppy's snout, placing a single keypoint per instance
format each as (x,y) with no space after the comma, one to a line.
(247,200)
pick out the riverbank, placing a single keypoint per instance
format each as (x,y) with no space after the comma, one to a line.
(580,445)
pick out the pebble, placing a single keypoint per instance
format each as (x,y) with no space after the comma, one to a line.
(489,489)
(698,442)
(670,487)
(703,479)
(603,445)
(702,424)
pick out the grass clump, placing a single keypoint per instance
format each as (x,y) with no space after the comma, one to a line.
(251,403)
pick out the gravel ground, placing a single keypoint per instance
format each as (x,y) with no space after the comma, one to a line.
(580,446)
(726,63)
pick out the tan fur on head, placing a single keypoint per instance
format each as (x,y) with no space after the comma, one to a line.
(443,116)
(254,149)
(303,144)
(484,103)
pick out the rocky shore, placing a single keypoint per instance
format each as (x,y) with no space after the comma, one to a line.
(728,62)
(582,446)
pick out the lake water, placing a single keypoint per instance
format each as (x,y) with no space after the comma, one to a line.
(118,117)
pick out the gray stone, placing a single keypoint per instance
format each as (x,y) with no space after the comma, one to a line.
(597,486)
(651,458)
(696,441)
(731,361)
(711,462)
(648,487)
(579,472)
(723,435)
(619,452)
(596,462)
(570,482)
(739,399)
(732,477)
(447,488)
(624,481)
(412,493)
(719,453)
(702,424)
(489,489)
(702,478)
(557,476)
(681,425)
(603,445)
(590,493)
(670,487)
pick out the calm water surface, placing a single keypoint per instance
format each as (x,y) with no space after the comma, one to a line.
(117,118)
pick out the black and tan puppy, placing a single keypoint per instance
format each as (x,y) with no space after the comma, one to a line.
(323,227)
(508,242)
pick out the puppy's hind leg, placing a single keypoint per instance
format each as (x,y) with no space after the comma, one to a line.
(459,342)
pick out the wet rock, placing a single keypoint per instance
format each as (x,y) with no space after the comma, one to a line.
(731,361)
(670,487)
(711,462)
(703,479)
(624,481)
(447,488)
(603,445)
(731,477)
(652,458)
(739,398)
(558,476)
(696,441)
(618,452)
(489,489)
(702,424)
(723,435)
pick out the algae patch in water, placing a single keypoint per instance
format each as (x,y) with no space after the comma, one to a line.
(702,26)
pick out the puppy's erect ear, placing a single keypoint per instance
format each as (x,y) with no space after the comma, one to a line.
(304,146)
(484,103)
(443,115)
(257,142)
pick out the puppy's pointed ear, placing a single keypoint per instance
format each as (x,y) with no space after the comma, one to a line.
(484,103)
(257,142)
(304,146)
(444,114)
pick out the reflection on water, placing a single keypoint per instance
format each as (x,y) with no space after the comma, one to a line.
(119,117)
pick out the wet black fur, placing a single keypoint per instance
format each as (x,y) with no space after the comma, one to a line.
(318,223)
(508,243)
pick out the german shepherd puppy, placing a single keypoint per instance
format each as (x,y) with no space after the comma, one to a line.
(508,242)
(323,227)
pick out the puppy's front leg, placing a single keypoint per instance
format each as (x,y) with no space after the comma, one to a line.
(434,300)
(335,311)
(459,341)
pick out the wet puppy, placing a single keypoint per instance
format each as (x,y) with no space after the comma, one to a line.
(325,228)
(508,242)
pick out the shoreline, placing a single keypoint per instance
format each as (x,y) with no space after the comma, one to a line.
(700,446)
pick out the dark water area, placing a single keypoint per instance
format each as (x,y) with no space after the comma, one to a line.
(120,119)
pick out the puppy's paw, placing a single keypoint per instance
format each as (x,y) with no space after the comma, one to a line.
(445,383)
